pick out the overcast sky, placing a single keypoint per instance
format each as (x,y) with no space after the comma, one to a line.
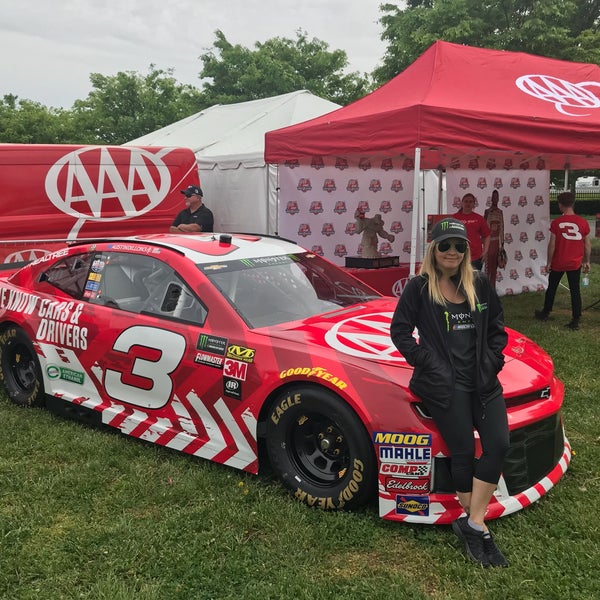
(48,48)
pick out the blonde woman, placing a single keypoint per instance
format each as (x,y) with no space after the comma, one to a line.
(456,363)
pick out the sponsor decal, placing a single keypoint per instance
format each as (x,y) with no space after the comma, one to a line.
(317,372)
(403,454)
(407,486)
(412,470)
(212,360)
(241,353)
(232,388)
(235,369)
(66,374)
(412,505)
(212,343)
(402,439)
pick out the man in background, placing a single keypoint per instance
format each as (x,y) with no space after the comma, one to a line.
(569,248)
(195,217)
(477,228)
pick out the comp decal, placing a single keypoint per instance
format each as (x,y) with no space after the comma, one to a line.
(403,454)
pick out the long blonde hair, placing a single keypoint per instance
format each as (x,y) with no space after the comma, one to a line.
(466,283)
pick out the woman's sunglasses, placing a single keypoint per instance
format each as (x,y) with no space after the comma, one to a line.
(460,247)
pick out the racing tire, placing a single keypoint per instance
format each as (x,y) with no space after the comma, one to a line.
(320,450)
(20,371)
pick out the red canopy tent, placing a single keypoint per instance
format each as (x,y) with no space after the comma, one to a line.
(457,100)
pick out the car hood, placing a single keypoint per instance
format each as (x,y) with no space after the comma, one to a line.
(362,333)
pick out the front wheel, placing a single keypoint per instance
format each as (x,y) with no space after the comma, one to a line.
(20,371)
(320,449)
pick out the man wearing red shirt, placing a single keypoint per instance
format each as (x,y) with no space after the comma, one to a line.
(569,248)
(478,230)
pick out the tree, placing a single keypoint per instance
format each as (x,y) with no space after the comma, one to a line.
(233,73)
(26,122)
(563,29)
(128,105)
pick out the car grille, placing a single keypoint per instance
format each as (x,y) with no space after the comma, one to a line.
(533,453)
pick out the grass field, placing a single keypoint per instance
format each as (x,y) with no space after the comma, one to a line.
(90,514)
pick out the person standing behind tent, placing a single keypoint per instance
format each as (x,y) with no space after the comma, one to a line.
(477,230)
(495,220)
(569,248)
(195,217)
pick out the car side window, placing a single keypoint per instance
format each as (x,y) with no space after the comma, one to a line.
(68,275)
(142,284)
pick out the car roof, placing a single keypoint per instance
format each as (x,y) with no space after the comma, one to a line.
(211,247)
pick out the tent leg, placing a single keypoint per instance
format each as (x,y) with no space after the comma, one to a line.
(415,213)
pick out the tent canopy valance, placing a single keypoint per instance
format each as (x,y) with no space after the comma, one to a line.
(456,101)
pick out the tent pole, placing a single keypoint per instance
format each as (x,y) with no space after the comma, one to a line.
(415,213)
(566,180)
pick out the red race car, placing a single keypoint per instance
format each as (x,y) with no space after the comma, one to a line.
(218,345)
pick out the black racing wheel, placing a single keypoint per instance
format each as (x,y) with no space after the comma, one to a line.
(20,371)
(320,449)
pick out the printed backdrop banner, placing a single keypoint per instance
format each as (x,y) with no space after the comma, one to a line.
(318,200)
(525,202)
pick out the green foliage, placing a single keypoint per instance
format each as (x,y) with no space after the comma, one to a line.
(233,73)
(128,105)
(27,122)
(87,513)
(563,29)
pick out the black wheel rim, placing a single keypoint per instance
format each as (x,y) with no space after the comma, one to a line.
(319,449)
(21,366)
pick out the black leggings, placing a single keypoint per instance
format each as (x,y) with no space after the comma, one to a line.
(456,424)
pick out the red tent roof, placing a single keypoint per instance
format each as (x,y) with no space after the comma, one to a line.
(457,100)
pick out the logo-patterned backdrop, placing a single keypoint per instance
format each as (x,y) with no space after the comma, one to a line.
(317,202)
(525,204)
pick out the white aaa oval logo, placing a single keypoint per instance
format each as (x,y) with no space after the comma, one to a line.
(563,94)
(103,184)
(367,336)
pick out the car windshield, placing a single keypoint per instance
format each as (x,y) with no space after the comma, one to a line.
(276,289)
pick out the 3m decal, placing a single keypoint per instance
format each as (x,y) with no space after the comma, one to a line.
(235,369)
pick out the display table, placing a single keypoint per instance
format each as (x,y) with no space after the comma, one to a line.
(387,280)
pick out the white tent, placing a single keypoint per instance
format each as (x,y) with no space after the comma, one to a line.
(228,141)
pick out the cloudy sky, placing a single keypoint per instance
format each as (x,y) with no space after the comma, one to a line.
(50,47)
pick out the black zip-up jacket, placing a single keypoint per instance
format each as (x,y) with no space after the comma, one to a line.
(433,378)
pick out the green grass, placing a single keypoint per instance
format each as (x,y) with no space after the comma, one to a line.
(87,513)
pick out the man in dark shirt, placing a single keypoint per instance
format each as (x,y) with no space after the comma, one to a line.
(195,217)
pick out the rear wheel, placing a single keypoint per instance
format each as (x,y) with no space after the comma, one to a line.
(320,449)
(20,371)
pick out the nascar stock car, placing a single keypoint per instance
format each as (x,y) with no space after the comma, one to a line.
(244,348)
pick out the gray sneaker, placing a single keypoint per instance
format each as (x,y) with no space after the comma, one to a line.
(472,539)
